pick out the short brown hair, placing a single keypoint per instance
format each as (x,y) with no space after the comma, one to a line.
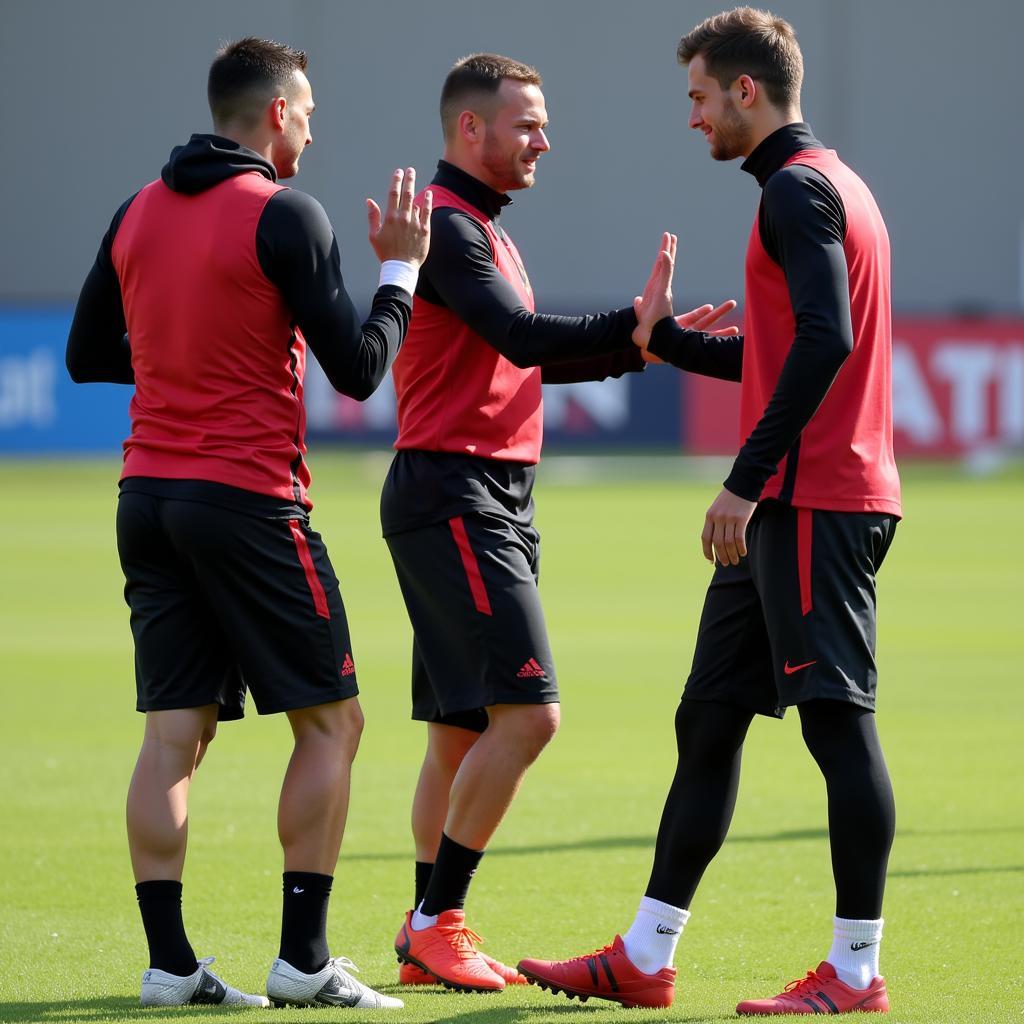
(476,75)
(748,41)
(246,73)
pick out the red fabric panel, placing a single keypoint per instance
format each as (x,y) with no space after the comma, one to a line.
(470,564)
(804,532)
(316,588)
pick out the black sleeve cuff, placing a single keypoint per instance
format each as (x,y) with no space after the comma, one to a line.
(664,337)
(743,482)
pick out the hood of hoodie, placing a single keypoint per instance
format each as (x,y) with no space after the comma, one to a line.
(207,160)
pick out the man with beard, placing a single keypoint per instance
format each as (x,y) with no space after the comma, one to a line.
(457,510)
(798,532)
(207,288)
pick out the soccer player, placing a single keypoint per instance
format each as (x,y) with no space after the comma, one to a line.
(206,291)
(798,532)
(457,506)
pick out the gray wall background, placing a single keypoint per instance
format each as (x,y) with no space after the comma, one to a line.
(918,96)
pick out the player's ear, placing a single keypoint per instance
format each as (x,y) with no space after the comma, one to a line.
(278,112)
(469,125)
(746,90)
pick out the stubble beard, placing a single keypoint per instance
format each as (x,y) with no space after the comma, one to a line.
(504,168)
(731,134)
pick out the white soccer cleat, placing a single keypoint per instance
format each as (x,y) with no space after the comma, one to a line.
(333,986)
(202,986)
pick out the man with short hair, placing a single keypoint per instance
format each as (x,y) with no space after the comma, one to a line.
(206,291)
(798,532)
(457,506)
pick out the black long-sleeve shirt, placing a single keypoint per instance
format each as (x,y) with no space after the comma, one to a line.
(802,225)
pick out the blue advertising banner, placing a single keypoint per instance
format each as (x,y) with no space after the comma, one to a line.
(41,409)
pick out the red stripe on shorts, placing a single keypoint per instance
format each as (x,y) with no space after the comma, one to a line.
(804,531)
(470,564)
(316,588)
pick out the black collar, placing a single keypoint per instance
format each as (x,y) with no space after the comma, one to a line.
(772,152)
(473,190)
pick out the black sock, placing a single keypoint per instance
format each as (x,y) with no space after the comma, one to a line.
(304,920)
(423,873)
(169,948)
(449,881)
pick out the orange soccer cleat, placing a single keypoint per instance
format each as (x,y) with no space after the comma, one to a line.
(509,975)
(607,974)
(820,992)
(410,974)
(446,951)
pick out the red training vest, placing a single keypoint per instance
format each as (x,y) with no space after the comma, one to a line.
(456,393)
(218,365)
(845,457)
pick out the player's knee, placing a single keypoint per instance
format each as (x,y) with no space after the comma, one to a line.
(709,734)
(204,741)
(351,725)
(179,735)
(538,725)
(338,725)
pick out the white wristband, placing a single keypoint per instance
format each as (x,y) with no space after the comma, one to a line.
(398,272)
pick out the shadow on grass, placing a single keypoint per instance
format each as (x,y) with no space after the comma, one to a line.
(980,870)
(513,1014)
(647,842)
(123,1007)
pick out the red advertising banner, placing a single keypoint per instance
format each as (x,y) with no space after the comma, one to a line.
(958,387)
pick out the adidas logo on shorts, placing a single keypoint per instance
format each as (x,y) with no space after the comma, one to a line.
(532,669)
(348,666)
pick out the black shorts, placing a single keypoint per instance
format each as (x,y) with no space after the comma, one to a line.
(222,602)
(795,620)
(479,637)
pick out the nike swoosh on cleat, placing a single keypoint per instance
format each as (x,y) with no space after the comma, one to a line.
(334,993)
(208,991)
(790,669)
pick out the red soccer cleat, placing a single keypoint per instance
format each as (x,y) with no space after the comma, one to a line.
(820,992)
(607,974)
(446,951)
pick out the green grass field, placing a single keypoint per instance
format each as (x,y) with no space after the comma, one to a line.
(623,581)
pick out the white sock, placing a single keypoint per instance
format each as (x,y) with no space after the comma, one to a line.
(854,952)
(654,934)
(421,921)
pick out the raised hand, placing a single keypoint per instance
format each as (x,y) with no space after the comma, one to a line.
(403,231)
(656,302)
